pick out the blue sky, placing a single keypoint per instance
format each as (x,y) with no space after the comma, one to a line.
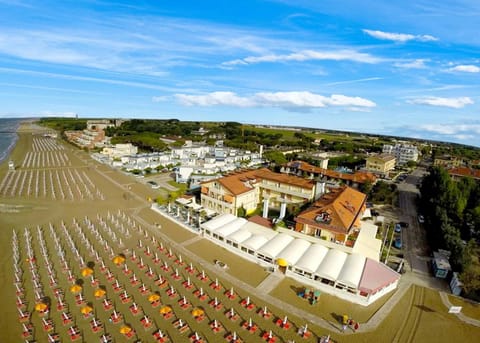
(404,68)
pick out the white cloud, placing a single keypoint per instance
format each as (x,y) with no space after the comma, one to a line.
(415,64)
(214,99)
(444,102)
(160,98)
(308,55)
(452,129)
(288,100)
(399,37)
(466,68)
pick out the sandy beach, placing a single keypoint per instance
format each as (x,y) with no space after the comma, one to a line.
(60,201)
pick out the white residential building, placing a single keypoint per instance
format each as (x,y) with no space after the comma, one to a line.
(402,152)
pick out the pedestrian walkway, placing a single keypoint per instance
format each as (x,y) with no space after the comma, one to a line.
(270,282)
(460,315)
(191,240)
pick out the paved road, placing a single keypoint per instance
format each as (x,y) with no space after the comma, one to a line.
(414,237)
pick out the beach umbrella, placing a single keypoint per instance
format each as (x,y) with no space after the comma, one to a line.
(125,329)
(153,297)
(99,293)
(197,312)
(75,288)
(86,310)
(165,309)
(118,259)
(41,307)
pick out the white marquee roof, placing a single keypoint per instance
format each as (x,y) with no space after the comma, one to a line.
(239,236)
(312,258)
(218,221)
(231,227)
(358,270)
(275,245)
(255,242)
(332,264)
(294,251)
(352,270)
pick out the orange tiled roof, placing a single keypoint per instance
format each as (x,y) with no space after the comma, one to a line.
(340,209)
(261,221)
(265,173)
(242,181)
(465,171)
(357,177)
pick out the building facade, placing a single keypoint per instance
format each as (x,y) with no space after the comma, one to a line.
(381,164)
(248,189)
(335,217)
(403,152)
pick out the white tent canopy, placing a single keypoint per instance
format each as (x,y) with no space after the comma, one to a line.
(275,245)
(352,270)
(294,251)
(312,258)
(219,221)
(239,236)
(332,264)
(255,242)
(230,227)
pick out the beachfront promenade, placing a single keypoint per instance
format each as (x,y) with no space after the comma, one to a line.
(115,193)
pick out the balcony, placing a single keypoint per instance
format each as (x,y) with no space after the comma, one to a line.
(287,190)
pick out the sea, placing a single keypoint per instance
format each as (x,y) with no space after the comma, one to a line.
(8,136)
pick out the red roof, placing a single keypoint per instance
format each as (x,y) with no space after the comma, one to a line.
(261,221)
(464,172)
(376,276)
(357,177)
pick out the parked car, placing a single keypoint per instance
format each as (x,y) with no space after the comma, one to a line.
(398,228)
(404,225)
(398,243)
(153,184)
(421,219)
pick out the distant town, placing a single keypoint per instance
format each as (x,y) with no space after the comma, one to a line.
(319,183)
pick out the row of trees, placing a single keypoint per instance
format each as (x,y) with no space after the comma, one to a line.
(452,219)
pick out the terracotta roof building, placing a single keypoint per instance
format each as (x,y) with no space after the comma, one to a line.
(301,168)
(335,216)
(458,173)
(247,189)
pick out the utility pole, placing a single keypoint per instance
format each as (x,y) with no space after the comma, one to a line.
(389,247)
(384,239)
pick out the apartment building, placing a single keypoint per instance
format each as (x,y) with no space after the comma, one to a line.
(335,216)
(248,189)
(380,164)
(403,152)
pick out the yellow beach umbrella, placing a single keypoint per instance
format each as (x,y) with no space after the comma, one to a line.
(87,272)
(165,309)
(197,312)
(125,329)
(86,310)
(41,307)
(99,293)
(282,262)
(153,297)
(118,259)
(75,288)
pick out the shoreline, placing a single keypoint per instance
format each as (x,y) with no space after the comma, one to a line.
(20,121)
